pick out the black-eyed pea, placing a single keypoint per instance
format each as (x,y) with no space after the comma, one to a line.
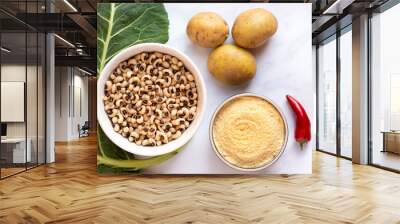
(118,71)
(124,84)
(118,103)
(144,56)
(128,74)
(124,123)
(132,61)
(176,135)
(149,69)
(108,85)
(174,113)
(139,119)
(167,57)
(165,64)
(170,101)
(145,97)
(120,118)
(181,127)
(152,118)
(166,92)
(157,62)
(118,79)
(113,88)
(114,113)
(134,134)
(168,81)
(174,60)
(116,127)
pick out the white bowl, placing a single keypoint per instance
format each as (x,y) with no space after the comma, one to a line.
(263,166)
(122,142)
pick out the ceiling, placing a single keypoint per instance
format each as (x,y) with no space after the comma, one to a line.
(74,21)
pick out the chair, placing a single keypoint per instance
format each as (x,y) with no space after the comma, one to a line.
(84,130)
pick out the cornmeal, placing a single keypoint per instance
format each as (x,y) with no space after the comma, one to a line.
(249,132)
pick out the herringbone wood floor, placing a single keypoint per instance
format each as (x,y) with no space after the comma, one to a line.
(70,191)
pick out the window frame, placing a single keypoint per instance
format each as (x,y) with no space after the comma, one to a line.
(334,37)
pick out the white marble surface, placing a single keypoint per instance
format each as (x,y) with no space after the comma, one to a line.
(283,67)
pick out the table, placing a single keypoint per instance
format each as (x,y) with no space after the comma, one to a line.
(18,149)
(284,66)
(391,141)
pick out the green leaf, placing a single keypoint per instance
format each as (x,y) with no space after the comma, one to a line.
(112,159)
(108,149)
(120,25)
(101,168)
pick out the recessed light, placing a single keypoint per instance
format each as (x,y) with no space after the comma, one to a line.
(70,5)
(64,40)
(5,50)
(84,71)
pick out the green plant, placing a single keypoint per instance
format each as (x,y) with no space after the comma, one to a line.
(121,25)
(111,156)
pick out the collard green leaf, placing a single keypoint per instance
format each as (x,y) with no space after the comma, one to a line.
(111,158)
(108,149)
(120,25)
(101,168)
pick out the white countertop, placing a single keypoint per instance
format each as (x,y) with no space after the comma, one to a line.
(283,67)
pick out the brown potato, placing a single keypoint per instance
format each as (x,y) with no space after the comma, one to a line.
(207,29)
(254,27)
(231,64)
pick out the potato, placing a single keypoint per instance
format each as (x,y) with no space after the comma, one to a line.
(231,64)
(253,27)
(207,29)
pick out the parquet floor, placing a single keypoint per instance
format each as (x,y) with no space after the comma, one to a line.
(70,191)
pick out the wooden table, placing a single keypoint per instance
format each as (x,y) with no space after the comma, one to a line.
(391,141)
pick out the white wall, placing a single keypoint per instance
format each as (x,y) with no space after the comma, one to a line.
(61,103)
(67,115)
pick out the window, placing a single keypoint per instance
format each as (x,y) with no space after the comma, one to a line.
(385,89)
(327,96)
(346,93)
(22,75)
(334,106)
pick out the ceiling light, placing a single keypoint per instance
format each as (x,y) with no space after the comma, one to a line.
(5,50)
(70,5)
(337,7)
(84,71)
(65,41)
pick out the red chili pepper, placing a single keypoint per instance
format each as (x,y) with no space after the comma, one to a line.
(303,125)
